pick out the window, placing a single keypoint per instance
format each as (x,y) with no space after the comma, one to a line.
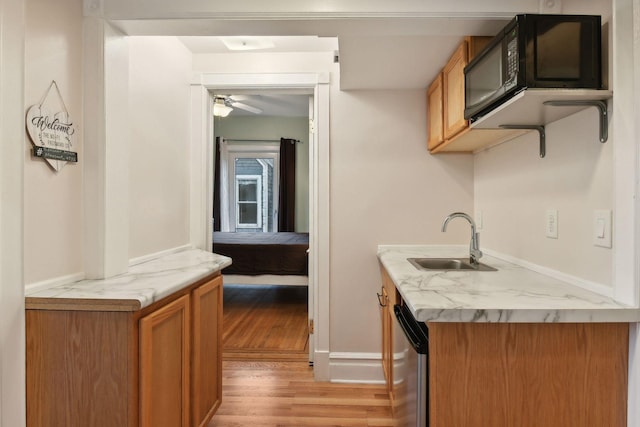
(249,193)
(249,201)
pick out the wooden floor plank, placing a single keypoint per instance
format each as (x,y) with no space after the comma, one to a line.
(265,321)
(267,393)
(267,381)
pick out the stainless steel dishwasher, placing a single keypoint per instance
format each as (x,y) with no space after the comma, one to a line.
(410,370)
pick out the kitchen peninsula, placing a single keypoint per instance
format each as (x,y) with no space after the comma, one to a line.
(130,350)
(513,346)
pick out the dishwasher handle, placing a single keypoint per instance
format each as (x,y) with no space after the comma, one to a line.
(417,333)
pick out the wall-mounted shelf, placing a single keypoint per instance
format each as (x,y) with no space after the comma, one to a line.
(527,107)
(532,109)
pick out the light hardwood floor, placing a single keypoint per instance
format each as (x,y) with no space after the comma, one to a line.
(267,381)
(265,322)
(263,393)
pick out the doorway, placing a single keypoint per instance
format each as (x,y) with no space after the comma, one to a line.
(202,174)
(262,144)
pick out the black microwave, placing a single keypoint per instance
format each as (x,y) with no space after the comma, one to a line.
(534,51)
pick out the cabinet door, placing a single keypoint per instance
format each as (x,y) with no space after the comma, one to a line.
(388,321)
(164,366)
(476,44)
(528,374)
(435,113)
(386,338)
(206,375)
(453,85)
(78,369)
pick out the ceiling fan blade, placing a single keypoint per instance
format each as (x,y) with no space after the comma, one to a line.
(246,107)
(238,97)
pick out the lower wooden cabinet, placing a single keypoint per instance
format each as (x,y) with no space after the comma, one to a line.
(517,374)
(206,367)
(156,367)
(528,374)
(164,365)
(387,299)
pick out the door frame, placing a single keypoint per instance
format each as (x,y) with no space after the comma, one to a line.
(201,224)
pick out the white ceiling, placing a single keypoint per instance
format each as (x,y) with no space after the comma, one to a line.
(391,53)
(375,53)
(271,104)
(383,44)
(208,44)
(366,61)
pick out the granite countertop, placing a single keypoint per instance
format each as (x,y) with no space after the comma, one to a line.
(511,294)
(139,287)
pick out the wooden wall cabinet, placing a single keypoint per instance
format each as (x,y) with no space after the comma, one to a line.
(159,366)
(435,113)
(453,91)
(445,96)
(448,131)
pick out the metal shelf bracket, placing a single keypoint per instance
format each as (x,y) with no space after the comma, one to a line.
(540,129)
(601,105)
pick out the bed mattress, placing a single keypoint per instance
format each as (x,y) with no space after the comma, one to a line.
(264,253)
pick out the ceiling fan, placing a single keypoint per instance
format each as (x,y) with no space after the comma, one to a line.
(224,104)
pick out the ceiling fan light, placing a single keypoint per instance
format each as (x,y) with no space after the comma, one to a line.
(220,109)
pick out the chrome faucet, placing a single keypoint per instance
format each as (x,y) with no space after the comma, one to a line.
(474,247)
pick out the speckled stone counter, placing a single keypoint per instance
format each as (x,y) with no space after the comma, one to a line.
(511,294)
(141,286)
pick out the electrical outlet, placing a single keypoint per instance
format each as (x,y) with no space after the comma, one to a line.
(551,224)
(602,228)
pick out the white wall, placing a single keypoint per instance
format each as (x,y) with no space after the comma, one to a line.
(385,188)
(12,324)
(273,128)
(160,68)
(514,187)
(106,150)
(54,217)
(387,201)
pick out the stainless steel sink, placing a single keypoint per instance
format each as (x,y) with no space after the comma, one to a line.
(447,264)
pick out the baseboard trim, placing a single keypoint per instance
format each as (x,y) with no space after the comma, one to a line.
(149,257)
(360,368)
(321,365)
(62,280)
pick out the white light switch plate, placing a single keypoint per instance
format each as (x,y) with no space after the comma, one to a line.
(551,223)
(602,228)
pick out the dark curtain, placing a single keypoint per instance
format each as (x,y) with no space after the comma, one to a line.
(287,204)
(216,187)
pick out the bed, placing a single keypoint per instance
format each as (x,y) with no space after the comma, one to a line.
(253,254)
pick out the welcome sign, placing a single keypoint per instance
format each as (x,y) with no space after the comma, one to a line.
(52,131)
